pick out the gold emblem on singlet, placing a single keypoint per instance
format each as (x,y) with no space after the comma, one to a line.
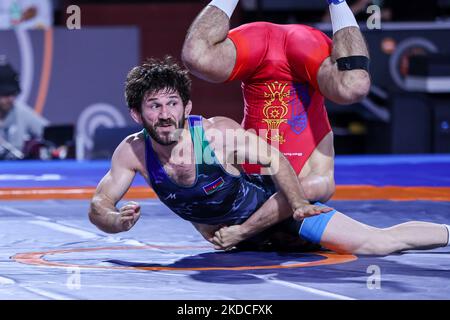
(275,110)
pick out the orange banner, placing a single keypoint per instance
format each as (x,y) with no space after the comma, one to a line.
(354,192)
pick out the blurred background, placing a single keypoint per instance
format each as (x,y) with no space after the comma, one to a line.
(68,61)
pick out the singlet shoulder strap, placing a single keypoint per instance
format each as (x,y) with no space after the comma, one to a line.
(195,121)
(197,135)
(202,149)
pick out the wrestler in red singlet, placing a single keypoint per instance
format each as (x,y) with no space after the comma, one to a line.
(278,66)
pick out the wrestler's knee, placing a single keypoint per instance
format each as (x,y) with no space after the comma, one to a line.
(194,56)
(354,86)
(210,63)
(318,187)
(329,191)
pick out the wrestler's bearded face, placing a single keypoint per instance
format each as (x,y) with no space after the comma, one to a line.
(164,131)
(163,116)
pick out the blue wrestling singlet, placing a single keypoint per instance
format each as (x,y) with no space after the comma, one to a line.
(216,197)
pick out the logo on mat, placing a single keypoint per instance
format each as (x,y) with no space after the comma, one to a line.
(214,186)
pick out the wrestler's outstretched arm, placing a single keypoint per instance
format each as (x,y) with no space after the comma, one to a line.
(343,77)
(113,186)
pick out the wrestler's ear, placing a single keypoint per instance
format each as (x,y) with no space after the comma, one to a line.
(136,115)
(188,108)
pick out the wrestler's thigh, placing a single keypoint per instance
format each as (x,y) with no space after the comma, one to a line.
(306,50)
(250,42)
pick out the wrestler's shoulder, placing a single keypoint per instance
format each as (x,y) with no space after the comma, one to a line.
(221,123)
(133,143)
(130,153)
(136,138)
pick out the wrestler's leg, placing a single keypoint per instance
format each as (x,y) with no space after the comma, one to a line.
(346,235)
(207,52)
(344,86)
(317,180)
(317,176)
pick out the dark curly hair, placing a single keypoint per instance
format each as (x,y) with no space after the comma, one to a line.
(155,75)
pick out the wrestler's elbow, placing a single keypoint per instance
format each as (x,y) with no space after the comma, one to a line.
(93,213)
(353,87)
(97,215)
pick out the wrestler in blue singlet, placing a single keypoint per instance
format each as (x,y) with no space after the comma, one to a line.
(218,197)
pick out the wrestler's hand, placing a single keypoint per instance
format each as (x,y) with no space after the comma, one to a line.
(128,215)
(207,231)
(227,237)
(309,210)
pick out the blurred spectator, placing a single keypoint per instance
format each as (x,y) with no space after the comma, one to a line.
(28,14)
(18,122)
